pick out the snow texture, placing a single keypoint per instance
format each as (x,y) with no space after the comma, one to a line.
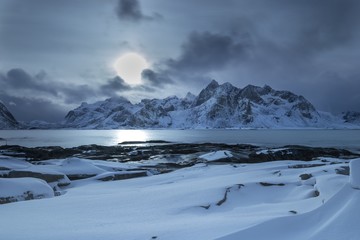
(355,173)
(217,155)
(230,201)
(19,189)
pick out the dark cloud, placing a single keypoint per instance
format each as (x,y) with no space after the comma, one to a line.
(300,44)
(19,82)
(34,97)
(201,54)
(335,92)
(67,38)
(324,24)
(18,79)
(77,93)
(303,30)
(208,51)
(114,86)
(155,79)
(130,10)
(32,108)
(286,44)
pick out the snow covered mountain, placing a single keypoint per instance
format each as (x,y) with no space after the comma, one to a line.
(7,120)
(351,117)
(216,106)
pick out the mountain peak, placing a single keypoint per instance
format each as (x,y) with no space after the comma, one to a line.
(252,93)
(189,96)
(117,99)
(206,93)
(213,84)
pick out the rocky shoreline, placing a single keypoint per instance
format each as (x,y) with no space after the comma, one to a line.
(57,168)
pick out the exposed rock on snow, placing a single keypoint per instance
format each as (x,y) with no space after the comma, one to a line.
(49,177)
(305,176)
(121,175)
(355,173)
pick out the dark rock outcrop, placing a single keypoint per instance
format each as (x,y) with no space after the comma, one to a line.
(7,120)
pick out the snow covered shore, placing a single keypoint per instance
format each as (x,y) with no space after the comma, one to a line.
(288,199)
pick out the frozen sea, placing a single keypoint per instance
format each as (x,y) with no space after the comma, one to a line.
(271,138)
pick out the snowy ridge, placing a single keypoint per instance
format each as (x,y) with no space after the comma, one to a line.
(216,106)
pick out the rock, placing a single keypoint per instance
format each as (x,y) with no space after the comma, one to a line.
(7,120)
(305,176)
(40,153)
(294,152)
(266,184)
(61,179)
(355,173)
(344,170)
(121,175)
(306,165)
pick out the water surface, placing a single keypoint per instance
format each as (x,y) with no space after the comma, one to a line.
(271,138)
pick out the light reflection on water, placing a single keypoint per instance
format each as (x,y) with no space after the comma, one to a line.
(129,136)
(73,138)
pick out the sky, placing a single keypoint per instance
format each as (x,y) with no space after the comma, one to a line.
(56,54)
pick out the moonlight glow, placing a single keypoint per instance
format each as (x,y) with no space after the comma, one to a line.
(129,67)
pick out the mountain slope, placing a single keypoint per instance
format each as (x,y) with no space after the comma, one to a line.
(216,106)
(351,117)
(7,120)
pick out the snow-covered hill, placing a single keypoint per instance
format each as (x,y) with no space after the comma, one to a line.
(7,120)
(216,106)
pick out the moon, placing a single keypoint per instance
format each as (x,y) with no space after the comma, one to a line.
(129,67)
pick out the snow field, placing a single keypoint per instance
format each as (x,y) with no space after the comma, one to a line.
(355,173)
(19,189)
(200,202)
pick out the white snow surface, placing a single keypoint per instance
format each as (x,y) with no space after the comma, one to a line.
(78,166)
(13,163)
(16,187)
(241,201)
(216,155)
(355,173)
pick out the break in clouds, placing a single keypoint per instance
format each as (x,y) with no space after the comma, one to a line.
(308,47)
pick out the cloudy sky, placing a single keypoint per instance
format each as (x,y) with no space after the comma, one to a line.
(56,54)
